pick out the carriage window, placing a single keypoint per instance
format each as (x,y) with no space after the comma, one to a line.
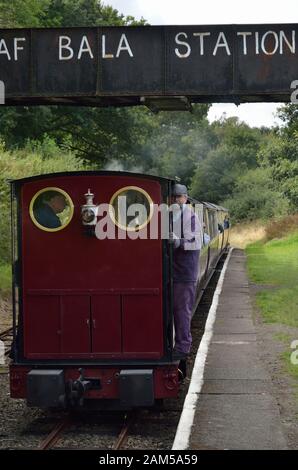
(131,208)
(212,224)
(51,209)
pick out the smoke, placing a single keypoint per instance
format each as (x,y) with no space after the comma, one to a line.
(115,165)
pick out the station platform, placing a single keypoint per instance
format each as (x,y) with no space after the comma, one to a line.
(230,406)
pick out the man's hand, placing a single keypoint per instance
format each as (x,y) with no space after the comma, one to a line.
(174,240)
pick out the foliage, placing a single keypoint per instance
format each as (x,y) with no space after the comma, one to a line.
(289,115)
(232,153)
(253,172)
(285,173)
(5,280)
(174,144)
(56,13)
(276,228)
(254,196)
(245,232)
(95,134)
(22,14)
(281,153)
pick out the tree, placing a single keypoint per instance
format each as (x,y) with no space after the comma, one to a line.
(255,196)
(60,13)
(95,134)
(174,143)
(22,13)
(280,153)
(233,152)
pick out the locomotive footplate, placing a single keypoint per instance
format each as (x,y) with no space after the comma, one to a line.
(78,386)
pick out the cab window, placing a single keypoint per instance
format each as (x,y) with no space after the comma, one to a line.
(51,209)
(131,208)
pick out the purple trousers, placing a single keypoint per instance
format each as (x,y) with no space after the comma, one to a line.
(184,298)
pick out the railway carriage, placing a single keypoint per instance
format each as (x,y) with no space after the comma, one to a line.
(92,313)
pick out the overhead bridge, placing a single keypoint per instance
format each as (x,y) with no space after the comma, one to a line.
(163,67)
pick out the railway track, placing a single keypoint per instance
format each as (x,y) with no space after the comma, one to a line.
(128,423)
(6,337)
(5,333)
(68,420)
(55,435)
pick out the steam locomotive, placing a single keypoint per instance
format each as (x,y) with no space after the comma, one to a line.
(92,288)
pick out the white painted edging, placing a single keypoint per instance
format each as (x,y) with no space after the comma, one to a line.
(182,437)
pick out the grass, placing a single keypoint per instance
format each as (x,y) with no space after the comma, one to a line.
(283,338)
(280,306)
(290,367)
(277,227)
(5,280)
(245,233)
(275,264)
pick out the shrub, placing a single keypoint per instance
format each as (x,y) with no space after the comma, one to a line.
(256,198)
(278,228)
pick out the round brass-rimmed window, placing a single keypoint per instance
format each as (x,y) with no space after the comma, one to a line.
(131,208)
(51,209)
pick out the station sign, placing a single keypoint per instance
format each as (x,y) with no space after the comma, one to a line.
(119,65)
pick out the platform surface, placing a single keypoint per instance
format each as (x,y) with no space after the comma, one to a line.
(235,408)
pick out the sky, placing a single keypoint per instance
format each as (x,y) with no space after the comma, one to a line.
(177,12)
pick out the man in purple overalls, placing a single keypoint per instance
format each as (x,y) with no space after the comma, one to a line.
(187,241)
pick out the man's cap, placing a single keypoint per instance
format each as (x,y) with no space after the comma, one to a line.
(179,189)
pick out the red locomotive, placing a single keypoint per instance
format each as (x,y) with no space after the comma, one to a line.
(93,313)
